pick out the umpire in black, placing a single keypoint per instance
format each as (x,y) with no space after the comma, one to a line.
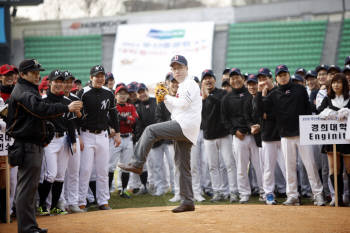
(26,123)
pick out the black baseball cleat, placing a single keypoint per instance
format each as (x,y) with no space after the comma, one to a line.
(39,230)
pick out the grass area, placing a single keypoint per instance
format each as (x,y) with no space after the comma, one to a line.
(147,200)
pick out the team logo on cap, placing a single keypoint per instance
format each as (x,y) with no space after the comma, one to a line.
(57,72)
(287,92)
(261,70)
(176,57)
(280,66)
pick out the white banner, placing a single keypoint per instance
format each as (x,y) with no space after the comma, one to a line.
(314,130)
(142,52)
(5,142)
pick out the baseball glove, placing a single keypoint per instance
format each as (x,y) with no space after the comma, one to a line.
(160,91)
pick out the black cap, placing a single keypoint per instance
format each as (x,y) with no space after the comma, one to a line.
(141,86)
(321,67)
(77,81)
(109,76)
(346,68)
(225,83)
(310,73)
(96,70)
(300,70)
(209,73)
(56,74)
(30,65)
(281,68)
(235,71)
(169,77)
(196,79)
(334,67)
(67,75)
(297,77)
(347,61)
(264,71)
(132,87)
(252,79)
(178,59)
(226,71)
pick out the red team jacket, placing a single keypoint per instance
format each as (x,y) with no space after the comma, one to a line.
(128,117)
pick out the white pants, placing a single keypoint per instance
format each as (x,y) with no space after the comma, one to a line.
(271,153)
(170,166)
(121,154)
(156,168)
(71,183)
(95,153)
(289,148)
(196,158)
(55,160)
(247,150)
(214,149)
(13,184)
(175,170)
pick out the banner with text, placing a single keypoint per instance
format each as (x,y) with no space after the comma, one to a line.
(5,142)
(143,52)
(314,130)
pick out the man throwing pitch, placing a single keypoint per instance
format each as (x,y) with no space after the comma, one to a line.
(183,128)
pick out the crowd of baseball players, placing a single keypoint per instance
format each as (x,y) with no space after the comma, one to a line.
(248,143)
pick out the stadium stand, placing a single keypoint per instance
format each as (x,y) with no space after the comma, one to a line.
(344,45)
(267,44)
(75,53)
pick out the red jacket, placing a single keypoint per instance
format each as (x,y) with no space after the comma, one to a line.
(127,117)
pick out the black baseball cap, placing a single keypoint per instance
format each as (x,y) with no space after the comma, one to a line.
(346,68)
(178,59)
(252,79)
(141,86)
(169,77)
(109,76)
(334,67)
(310,73)
(56,74)
(280,69)
(96,70)
(77,81)
(347,61)
(67,75)
(265,72)
(30,65)
(321,67)
(209,73)
(226,71)
(297,77)
(132,87)
(235,71)
(300,70)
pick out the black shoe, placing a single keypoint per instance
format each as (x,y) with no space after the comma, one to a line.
(280,195)
(39,230)
(90,204)
(183,208)
(134,191)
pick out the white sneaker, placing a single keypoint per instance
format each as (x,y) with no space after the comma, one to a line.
(176,198)
(270,199)
(199,198)
(292,201)
(244,199)
(319,201)
(217,197)
(75,209)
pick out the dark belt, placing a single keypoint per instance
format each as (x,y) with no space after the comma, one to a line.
(125,135)
(59,134)
(96,131)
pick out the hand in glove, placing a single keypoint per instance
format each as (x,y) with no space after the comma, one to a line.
(160,92)
(328,114)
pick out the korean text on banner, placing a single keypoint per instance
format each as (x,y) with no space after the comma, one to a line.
(314,130)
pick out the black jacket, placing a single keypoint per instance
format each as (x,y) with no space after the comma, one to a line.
(252,118)
(146,111)
(269,129)
(63,124)
(213,127)
(27,113)
(288,102)
(233,111)
(99,111)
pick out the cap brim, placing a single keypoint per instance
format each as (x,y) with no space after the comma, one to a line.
(280,71)
(96,73)
(171,64)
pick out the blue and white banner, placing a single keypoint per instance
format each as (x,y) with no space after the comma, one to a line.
(142,52)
